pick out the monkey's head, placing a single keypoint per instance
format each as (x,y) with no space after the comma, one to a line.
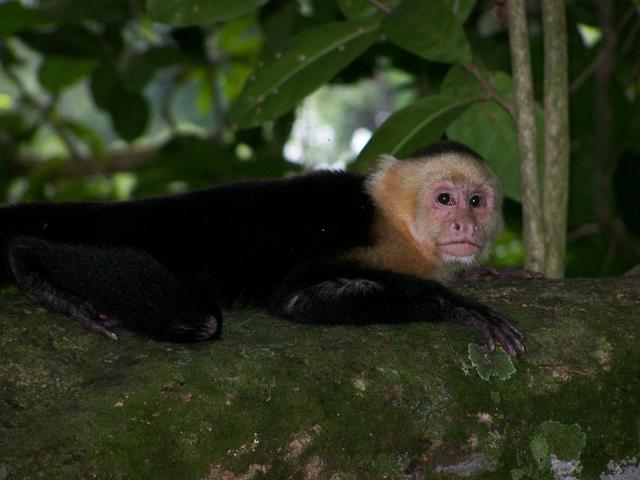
(444,199)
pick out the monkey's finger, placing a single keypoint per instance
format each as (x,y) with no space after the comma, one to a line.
(507,341)
(506,345)
(513,327)
(104,326)
(512,331)
(104,330)
(514,340)
(484,331)
(486,336)
(505,323)
(489,341)
(111,334)
(493,326)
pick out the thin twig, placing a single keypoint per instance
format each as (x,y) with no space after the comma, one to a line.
(491,92)
(603,56)
(380,6)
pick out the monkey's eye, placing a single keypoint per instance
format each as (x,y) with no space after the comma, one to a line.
(444,199)
(475,201)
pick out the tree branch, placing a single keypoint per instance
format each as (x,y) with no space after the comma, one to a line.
(380,6)
(556,135)
(491,92)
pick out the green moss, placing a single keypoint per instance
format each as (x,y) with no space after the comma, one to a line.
(274,400)
(564,441)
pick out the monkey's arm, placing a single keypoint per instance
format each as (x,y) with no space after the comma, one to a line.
(347,294)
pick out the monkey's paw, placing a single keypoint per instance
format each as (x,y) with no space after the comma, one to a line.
(490,273)
(493,327)
(100,323)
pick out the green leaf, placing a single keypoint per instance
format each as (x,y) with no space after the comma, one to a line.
(129,114)
(13,124)
(102,11)
(141,68)
(428,29)
(413,127)
(489,130)
(14,18)
(355,9)
(57,73)
(486,126)
(66,40)
(461,84)
(462,8)
(241,37)
(199,12)
(315,56)
(104,81)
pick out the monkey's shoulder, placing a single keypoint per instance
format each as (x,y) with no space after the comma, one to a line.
(309,200)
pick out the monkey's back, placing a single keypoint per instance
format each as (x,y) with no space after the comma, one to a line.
(243,237)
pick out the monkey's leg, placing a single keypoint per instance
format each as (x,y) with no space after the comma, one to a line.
(105,286)
(344,294)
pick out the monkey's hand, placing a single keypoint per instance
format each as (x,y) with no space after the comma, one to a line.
(100,323)
(492,326)
(491,273)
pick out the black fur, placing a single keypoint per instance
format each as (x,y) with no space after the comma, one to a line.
(104,286)
(161,266)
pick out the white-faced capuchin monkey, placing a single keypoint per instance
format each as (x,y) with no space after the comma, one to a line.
(322,248)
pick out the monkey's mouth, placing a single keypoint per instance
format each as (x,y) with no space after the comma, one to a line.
(462,248)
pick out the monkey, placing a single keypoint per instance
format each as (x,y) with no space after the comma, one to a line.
(326,247)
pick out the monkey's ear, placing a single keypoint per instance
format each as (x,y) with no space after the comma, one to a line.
(388,187)
(396,190)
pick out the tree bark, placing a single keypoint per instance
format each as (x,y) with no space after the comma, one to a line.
(533,233)
(556,138)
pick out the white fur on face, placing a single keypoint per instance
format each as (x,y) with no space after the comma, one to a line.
(463,260)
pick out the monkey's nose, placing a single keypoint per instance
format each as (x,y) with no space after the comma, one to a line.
(464,227)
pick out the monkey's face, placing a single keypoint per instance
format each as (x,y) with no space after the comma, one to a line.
(449,206)
(460,214)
